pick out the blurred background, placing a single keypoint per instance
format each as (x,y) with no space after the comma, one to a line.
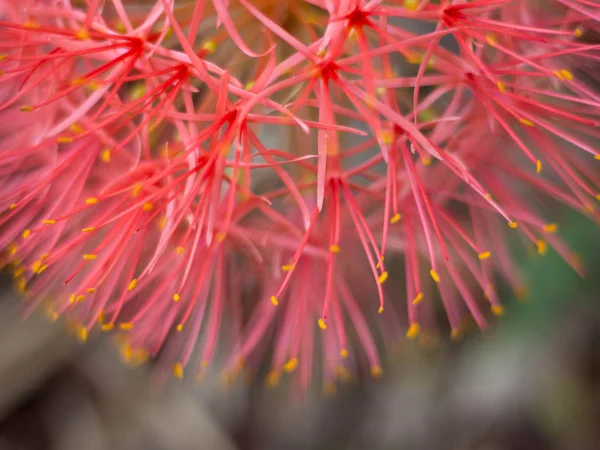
(532,382)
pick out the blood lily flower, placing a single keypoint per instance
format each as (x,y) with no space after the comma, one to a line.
(199,176)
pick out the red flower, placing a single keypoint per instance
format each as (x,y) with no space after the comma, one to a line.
(202,176)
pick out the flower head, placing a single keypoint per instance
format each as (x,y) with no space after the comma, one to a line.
(201,176)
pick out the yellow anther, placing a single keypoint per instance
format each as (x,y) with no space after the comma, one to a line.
(395,218)
(162,222)
(75,128)
(107,326)
(179,250)
(376,371)
(274,300)
(178,370)
(80,298)
(411,5)
(418,299)
(91,290)
(82,34)
(126,326)
(322,324)
(132,284)
(334,248)
(512,224)
(249,85)
(48,221)
(72,298)
(484,255)
(136,189)
(343,353)
(91,201)
(105,155)
(386,136)
(272,379)
(90,256)
(176,297)
(434,275)
(88,229)
(36,266)
(64,139)
(147,206)
(19,271)
(26,108)
(179,327)
(21,285)
(413,331)
(42,268)
(3,56)
(82,334)
(542,247)
(578,32)
(291,365)
(288,267)
(31,24)
(220,236)
(538,166)
(487,196)
(12,206)
(26,233)
(566,75)
(491,40)
(210,46)
(456,334)
(380,310)
(427,160)
(78,81)
(498,310)
(597,157)
(526,122)
(382,278)
(501,86)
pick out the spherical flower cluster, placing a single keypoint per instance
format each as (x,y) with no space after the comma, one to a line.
(233,181)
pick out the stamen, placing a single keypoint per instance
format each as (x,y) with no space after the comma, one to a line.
(395,218)
(413,331)
(418,299)
(382,278)
(178,370)
(484,255)
(105,155)
(291,365)
(288,267)
(376,370)
(322,324)
(434,275)
(498,310)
